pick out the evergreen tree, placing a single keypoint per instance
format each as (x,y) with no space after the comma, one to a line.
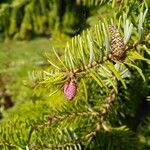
(104,77)
(26,18)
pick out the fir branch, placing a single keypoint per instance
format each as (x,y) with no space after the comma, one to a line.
(108,103)
(52,119)
(74,143)
(86,68)
(92,65)
(100,115)
(99,124)
(137,43)
(103,111)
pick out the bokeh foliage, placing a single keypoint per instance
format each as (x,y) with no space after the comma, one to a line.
(26,18)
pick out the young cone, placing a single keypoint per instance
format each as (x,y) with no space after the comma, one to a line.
(70,89)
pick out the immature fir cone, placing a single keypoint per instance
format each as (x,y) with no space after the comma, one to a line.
(70,89)
(116,43)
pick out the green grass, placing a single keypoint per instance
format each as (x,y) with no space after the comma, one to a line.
(16,53)
(17,59)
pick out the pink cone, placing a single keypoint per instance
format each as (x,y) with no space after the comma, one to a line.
(70,90)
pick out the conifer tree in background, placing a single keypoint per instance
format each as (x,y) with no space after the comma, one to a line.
(90,98)
(26,18)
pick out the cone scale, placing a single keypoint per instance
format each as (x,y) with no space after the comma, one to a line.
(116,44)
(70,90)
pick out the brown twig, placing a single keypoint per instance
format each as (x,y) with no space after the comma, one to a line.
(84,69)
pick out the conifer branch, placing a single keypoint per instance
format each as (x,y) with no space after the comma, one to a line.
(109,101)
(100,115)
(86,68)
(52,119)
(134,46)
(95,52)
(74,143)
